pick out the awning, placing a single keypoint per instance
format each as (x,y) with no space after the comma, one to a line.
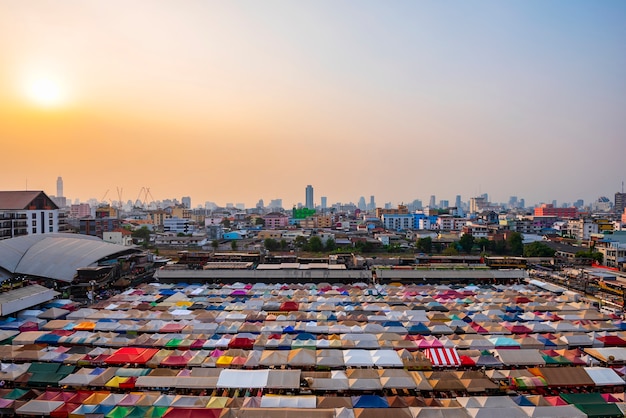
(443,357)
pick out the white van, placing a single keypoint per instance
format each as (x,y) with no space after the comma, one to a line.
(610,310)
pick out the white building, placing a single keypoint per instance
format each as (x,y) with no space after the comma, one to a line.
(177,225)
(395,222)
(27,213)
(117,237)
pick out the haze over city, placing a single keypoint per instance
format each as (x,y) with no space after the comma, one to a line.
(241,101)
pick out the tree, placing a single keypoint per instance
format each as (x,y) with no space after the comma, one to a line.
(484,244)
(330,245)
(516,245)
(592,255)
(300,241)
(425,245)
(283,244)
(233,245)
(467,242)
(538,249)
(259,221)
(142,233)
(271,244)
(226,223)
(451,250)
(315,244)
(215,244)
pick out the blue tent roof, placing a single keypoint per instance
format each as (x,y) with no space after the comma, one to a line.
(369,401)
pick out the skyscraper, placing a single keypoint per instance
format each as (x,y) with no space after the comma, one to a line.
(59,186)
(186,201)
(309,202)
(457,201)
(361,205)
(432,203)
(324,202)
(372,204)
(620,202)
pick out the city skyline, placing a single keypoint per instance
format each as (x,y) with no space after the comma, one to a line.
(224,102)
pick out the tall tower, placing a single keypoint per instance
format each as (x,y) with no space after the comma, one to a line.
(309,197)
(432,203)
(59,186)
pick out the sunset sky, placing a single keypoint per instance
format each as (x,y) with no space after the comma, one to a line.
(236,101)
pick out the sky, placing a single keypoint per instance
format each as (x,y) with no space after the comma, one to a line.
(244,100)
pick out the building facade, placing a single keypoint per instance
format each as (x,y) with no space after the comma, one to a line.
(28,213)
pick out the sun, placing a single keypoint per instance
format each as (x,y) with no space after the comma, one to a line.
(45,92)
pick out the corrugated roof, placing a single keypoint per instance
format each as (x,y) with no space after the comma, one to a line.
(56,256)
(16,200)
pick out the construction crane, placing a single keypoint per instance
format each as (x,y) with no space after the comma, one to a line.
(104,196)
(119,197)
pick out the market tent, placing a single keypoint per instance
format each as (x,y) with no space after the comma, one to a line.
(230,378)
(357,358)
(563,376)
(283,379)
(396,379)
(363,379)
(38,408)
(329,358)
(565,411)
(443,357)
(436,412)
(301,357)
(335,380)
(276,401)
(524,357)
(604,376)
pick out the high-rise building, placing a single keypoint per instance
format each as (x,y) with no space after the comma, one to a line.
(432,203)
(372,204)
(186,201)
(443,204)
(457,201)
(309,202)
(361,205)
(324,202)
(620,202)
(60,186)
(276,204)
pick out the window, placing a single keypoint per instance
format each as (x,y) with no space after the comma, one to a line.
(33,215)
(34,230)
(50,215)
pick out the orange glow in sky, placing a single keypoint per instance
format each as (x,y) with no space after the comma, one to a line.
(239,101)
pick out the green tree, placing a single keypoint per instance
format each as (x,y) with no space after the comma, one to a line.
(330,245)
(226,223)
(484,244)
(300,242)
(499,247)
(315,244)
(271,244)
(592,255)
(538,249)
(215,244)
(283,244)
(259,221)
(233,245)
(142,233)
(467,242)
(516,245)
(425,245)
(451,250)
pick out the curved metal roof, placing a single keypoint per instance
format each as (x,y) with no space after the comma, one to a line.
(55,256)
